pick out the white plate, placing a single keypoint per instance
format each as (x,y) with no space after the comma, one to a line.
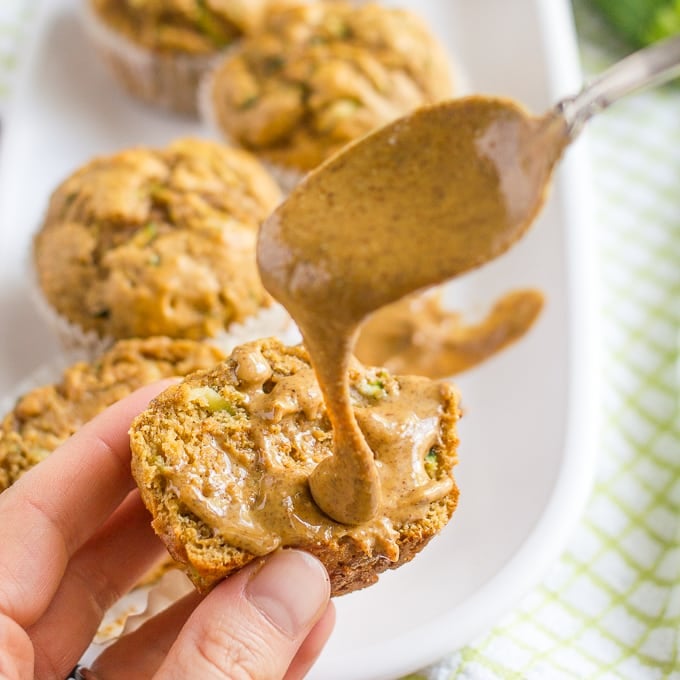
(528,435)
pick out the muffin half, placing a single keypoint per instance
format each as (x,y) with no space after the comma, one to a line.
(223,459)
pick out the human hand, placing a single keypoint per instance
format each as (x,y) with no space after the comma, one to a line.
(74,536)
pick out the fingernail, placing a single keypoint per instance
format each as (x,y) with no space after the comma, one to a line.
(290,590)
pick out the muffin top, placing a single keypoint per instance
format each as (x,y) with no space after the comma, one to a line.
(184,26)
(319,75)
(157,241)
(45,417)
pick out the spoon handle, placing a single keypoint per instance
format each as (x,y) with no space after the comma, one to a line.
(650,66)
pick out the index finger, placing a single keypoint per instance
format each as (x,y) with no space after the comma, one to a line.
(54,508)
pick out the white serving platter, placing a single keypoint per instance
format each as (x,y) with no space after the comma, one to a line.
(528,436)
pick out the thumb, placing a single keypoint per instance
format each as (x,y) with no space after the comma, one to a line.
(251,625)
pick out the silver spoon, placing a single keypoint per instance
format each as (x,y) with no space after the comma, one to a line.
(653,65)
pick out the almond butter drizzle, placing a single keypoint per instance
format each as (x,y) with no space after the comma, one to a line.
(418,202)
(418,335)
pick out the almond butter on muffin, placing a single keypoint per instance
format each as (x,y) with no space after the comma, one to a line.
(319,75)
(158,50)
(47,415)
(222,462)
(155,242)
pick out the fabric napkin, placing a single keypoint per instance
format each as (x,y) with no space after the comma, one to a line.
(610,607)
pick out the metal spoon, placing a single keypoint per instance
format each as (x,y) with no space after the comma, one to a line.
(653,65)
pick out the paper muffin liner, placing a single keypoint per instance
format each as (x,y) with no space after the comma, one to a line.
(72,338)
(273,321)
(167,80)
(137,607)
(134,609)
(286,177)
(86,345)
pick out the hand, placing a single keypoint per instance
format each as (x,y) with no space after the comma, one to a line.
(74,536)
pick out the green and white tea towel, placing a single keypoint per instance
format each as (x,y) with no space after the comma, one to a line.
(609,609)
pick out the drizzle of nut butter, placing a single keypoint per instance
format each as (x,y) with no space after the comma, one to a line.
(419,202)
(260,503)
(421,335)
(415,204)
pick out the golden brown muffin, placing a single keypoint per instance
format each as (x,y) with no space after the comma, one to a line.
(222,462)
(157,241)
(159,49)
(46,416)
(319,75)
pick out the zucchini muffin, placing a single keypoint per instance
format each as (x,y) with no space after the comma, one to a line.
(46,416)
(158,50)
(223,458)
(156,242)
(318,75)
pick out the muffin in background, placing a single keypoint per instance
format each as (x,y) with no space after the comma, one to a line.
(158,50)
(319,75)
(155,242)
(45,416)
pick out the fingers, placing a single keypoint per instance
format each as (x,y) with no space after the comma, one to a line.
(252,625)
(55,507)
(312,646)
(141,653)
(104,569)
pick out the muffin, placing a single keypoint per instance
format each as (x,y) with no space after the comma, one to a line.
(316,76)
(155,242)
(222,462)
(44,417)
(158,50)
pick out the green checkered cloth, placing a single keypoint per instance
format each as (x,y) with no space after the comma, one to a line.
(610,607)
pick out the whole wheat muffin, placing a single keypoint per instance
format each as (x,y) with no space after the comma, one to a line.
(222,462)
(157,242)
(158,50)
(46,416)
(318,75)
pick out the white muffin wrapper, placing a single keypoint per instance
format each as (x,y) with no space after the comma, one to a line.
(168,80)
(135,608)
(72,338)
(86,345)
